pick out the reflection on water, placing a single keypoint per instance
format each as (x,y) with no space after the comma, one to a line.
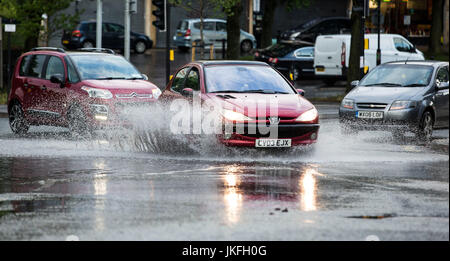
(244,183)
(308,190)
(232,196)
(100,190)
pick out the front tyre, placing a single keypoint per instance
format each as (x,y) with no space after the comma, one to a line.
(246,46)
(17,121)
(78,126)
(425,130)
(140,47)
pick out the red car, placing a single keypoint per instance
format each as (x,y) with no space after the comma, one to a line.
(83,90)
(236,86)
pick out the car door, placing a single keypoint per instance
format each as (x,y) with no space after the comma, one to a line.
(221,34)
(113,36)
(54,93)
(305,60)
(34,100)
(209,31)
(403,49)
(176,85)
(442,98)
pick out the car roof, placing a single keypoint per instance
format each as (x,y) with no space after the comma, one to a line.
(229,62)
(205,20)
(420,62)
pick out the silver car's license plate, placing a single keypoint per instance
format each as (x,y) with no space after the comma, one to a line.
(273,143)
(369,114)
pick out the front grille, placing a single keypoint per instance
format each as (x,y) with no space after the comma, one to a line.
(134,95)
(372,106)
(284,132)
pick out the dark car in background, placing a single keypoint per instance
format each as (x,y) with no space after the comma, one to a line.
(399,97)
(321,26)
(294,59)
(84,36)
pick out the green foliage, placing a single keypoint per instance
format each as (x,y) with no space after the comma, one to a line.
(29,14)
(3,96)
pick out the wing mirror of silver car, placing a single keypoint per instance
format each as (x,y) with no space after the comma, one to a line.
(442,85)
(354,83)
(144,77)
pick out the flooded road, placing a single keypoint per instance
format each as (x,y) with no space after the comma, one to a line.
(53,187)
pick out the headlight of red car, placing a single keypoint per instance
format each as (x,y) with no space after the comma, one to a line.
(308,116)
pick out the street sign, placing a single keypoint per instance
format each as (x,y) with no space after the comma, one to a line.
(407,20)
(10,28)
(133,6)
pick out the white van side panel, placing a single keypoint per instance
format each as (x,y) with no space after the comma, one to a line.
(327,54)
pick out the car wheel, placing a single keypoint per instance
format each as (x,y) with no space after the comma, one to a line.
(140,47)
(425,130)
(329,82)
(77,122)
(17,121)
(295,73)
(88,44)
(246,46)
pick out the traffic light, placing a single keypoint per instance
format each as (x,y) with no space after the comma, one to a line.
(160,14)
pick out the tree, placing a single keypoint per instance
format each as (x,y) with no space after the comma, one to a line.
(269,13)
(29,14)
(354,71)
(233,10)
(436,26)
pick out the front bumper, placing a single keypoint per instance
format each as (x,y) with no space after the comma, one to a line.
(247,134)
(396,119)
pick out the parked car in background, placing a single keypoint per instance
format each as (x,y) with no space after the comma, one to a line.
(214,31)
(332,54)
(83,90)
(291,59)
(237,88)
(84,36)
(321,26)
(399,97)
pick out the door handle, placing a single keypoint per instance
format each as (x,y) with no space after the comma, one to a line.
(43,87)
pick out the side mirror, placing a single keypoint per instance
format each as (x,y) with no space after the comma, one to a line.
(57,78)
(301,92)
(354,83)
(188,92)
(442,85)
(144,77)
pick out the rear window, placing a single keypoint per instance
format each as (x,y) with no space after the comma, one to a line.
(182,25)
(207,26)
(24,65)
(280,50)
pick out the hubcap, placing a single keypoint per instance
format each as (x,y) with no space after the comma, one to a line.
(246,46)
(140,47)
(427,126)
(16,118)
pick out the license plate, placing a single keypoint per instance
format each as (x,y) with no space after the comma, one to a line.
(369,114)
(65,41)
(273,143)
(320,69)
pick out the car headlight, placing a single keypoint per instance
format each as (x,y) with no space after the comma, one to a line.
(347,103)
(97,93)
(234,116)
(156,93)
(400,105)
(308,115)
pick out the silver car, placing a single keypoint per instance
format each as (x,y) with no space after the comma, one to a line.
(214,31)
(399,97)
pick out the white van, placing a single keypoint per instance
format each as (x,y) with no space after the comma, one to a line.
(332,53)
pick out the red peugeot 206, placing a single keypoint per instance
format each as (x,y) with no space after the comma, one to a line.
(262,106)
(84,90)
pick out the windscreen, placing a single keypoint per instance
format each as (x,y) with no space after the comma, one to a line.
(245,79)
(104,67)
(397,75)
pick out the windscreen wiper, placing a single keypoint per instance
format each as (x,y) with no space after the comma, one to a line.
(384,84)
(415,85)
(111,78)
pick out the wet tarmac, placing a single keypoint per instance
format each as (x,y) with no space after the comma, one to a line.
(54,187)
